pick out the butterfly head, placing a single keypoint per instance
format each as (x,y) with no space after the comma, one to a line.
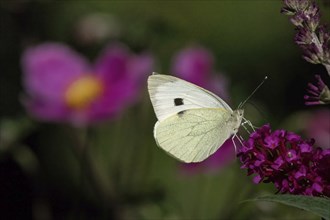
(239,113)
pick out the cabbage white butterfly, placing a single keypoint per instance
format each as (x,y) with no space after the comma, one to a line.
(192,122)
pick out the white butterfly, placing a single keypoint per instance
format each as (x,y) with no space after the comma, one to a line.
(192,122)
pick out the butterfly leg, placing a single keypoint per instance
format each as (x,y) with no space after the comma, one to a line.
(233,140)
(239,138)
(243,125)
(249,123)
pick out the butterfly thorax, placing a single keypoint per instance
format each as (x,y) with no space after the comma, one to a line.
(236,119)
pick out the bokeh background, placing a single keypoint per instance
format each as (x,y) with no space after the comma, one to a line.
(118,172)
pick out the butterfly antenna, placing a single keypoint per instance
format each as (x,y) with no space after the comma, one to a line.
(254,91)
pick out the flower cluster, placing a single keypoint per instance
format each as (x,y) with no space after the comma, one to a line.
(288,161)
(312,37)
(314,40)
(62,86)
(317,94)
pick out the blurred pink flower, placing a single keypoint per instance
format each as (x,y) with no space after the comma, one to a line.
(61,85)
(196,65)
(318,127)
(221,158)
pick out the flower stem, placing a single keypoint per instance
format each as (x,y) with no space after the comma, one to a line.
(103,190)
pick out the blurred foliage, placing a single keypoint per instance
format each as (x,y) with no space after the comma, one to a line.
(250,39)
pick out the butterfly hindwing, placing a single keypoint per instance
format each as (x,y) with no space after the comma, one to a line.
(170,95)
(193,135)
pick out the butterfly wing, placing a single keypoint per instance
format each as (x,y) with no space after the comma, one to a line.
(170,95)
(193,135)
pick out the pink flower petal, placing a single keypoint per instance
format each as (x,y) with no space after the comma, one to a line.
(49,68)
(193,64)
(47,111)
(222,157)
(115,98)
(112,65)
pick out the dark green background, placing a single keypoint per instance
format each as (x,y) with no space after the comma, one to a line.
(250,39)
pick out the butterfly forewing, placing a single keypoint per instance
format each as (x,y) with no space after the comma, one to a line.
(192,122)
(195,134)
(170,95)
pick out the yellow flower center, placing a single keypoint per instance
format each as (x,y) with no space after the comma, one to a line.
(83,91)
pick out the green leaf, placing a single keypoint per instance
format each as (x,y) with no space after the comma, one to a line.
(317,205)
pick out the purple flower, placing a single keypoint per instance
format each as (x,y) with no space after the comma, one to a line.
(312,53)
(196,64)
(324,35)
(291,6)
(61,85)
(318,94)
(322,168)
(292,164)
(303,37)
(272,141)
(298,19)
(311,36)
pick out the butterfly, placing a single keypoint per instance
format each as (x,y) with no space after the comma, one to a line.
(193,123)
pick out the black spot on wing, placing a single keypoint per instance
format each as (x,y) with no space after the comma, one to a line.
(178,101)
(180,113)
